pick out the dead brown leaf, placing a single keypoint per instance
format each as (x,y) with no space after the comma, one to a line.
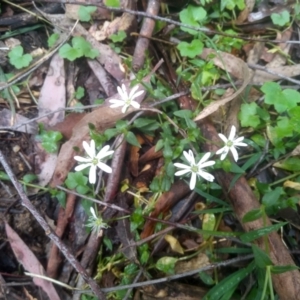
(29,261)
(233,65)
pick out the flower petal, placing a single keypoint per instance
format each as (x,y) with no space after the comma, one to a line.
(116,101)
(239,139)
(224,154)
(137,94)
(222,150)
(232,133)
(132,92)
(104,167)
(122,92)
(92,174)
(82,167)
(189,156)
(206,164)
(223,137)
(193,181)
(89,149)
(124,108)
(104,152)
(182,172)
(206,175)
(135,104)
(93,212)
(234,153)
(182,166)
(82,159)
(204,158)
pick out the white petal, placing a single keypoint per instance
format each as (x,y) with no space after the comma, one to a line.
(223,137)
(82,159)
(204,158)
(182,166)
(82,166)
(224,149)
(137,94)
(224,154)
(240,144)
(104,167)
(189,157)
(135,104)
(122,92)
(132,92)
(89,149)
(207,164)
(93,212)
(232,133)
(92,174)
(104,152)
(193,181)
(239,139)
(117,102)
(234,153)
(124,108)
(182,172)
(206,175)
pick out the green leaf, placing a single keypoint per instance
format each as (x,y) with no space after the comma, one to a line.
(68,52)
(79,92)
(166,264)
(248,115)
(208,223)
(192,16)
(131,139)
(207,279)
(84,47)
(190,49)
(113,3)
(281,19)
(50,140)
(255,234)
(84,12)
(282,100)
(282,269)
(28,178)
(18,59)
(262,260)
(61,198)
(252,215)
(4,176)
(53,38)
(289,164)
(76,180)
(107,242)
(118,37)
(136,219)
(229,283)
(231,4)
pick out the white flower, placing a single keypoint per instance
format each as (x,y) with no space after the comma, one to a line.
(127,100)
(93,161)
(96,222)
(197,169)
(230,144)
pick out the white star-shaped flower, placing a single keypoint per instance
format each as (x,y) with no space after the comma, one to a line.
(230,144)
(93,161)
(197,169)
(126,100)
(96,222)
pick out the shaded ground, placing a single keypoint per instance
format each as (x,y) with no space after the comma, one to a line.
(196,69)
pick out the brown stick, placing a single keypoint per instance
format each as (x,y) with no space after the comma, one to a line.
(146,32)
(287,285)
